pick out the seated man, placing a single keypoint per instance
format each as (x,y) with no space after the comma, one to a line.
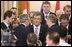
(52,39)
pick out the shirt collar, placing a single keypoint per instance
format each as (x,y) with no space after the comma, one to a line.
(62,40)
(37,27)
(23,24)
(46,14)
(67,26)
(6,24)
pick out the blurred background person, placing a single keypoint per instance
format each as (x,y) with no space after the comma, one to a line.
(31,17)
(52,38)
(46,11)
(14,10)
(63,36)
(32,40)
(67,10)
(58,14)
(15,23)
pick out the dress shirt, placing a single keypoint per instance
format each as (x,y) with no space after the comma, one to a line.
(37,29)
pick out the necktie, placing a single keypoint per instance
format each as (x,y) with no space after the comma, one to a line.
(36,32)
(46,15)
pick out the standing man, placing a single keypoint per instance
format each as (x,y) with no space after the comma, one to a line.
(46,11)
(5,26)
(37,27)
(58,14)
(13,9)
(51,23)
(22,30)
(8,19)
(67,10)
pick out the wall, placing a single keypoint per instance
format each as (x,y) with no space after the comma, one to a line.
(36,5)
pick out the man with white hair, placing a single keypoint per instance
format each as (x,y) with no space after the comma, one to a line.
(22,30)
(58,14)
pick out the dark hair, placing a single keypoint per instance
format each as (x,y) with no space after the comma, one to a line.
(64,16)
(32,38)
(37,13)
(53,35)
(66,6)
(46,2)
(8,14)
(14,8)
(62,31)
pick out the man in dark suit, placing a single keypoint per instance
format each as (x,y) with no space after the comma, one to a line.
(65,23)
(51,23)
(46,11)
(37,27)
(5,26)
(8,18)
(22,30)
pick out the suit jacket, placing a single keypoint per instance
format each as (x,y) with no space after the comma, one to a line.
(42,33)
(21,33)
(52,28)
(3,26)
(43,19)
(69,30)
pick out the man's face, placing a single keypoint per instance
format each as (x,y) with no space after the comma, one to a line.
(37,20)
(46,8)
(48,22)
(68,11)
(14,10)
(11,19)
(64,22)
(58,15)
(27,22)
(48,41)
(31,17)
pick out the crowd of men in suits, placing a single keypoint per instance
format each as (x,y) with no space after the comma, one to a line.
(38,29)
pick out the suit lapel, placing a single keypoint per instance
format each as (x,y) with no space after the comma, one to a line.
(3,26)
(32,29)
(40,30)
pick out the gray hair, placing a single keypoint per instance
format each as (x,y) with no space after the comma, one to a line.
(23,18)
(52,18)
(60,11)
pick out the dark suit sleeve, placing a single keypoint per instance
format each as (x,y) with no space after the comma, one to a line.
(3,26)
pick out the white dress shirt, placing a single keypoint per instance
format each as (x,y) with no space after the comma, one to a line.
(7,25)
(45,15)
(63,43)
(38,28)
(59,23)
(67,26)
